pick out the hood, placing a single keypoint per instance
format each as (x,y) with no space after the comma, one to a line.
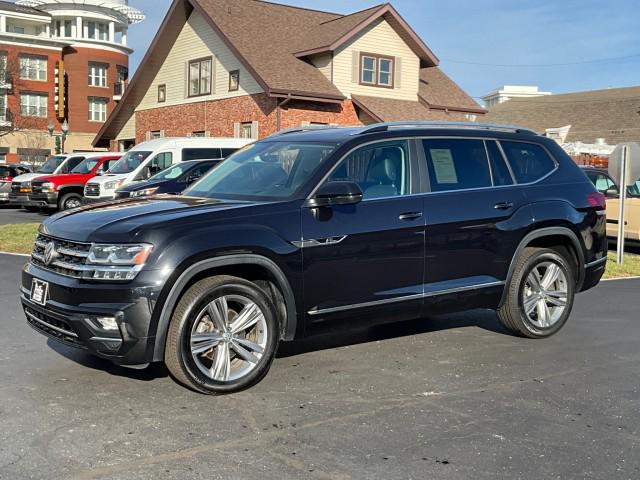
(127,220)
(66,178)
(27,177)
(108,177)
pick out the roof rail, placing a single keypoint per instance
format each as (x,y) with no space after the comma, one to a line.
(307,128)
(383,127)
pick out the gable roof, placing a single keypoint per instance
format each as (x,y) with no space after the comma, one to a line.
(440,92)
(612,114)
(331,34)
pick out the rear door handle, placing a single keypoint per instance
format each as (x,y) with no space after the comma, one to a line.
(503,205)
(410,215)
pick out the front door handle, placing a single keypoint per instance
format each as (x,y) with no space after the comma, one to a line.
(410,215)
(503,205)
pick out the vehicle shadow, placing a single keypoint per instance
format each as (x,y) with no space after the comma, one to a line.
(341,337)
(152,372)
(338,337)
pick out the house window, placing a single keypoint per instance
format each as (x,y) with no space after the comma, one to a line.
(3,106)
(33,67)
(33,104)
(199,134)
(98,109)
(234,80)
(162,93)
(155,134)
(63,28)
(200,77)
(33,156)
(98,74)
(376,70)
(246,130)
(3,67)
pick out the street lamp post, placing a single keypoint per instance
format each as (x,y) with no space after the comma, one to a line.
(65,131)
(63,136)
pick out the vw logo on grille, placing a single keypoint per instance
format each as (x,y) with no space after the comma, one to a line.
(50,253)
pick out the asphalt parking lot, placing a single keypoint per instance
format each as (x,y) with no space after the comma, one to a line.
(11,215)
(452,397)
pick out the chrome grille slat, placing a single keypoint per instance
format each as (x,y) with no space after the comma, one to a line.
(92,190)
(71,256)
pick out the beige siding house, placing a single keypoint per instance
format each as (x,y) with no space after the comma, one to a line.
(220,68)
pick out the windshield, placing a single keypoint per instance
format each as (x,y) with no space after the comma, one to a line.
(172,172)
(262,171)
(129,162)
(51,165)
(86,166)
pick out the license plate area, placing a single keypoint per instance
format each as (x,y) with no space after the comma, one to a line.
(39,291)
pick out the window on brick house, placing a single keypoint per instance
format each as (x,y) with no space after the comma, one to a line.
(246,130)
(33,104)
(98,75)
(98,109)
(200,77)
(33,67)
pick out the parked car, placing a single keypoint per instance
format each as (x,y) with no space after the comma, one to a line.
(7,173)
(64,191)
(21,186)
(306,231)
(150,158)
(606,185)
(173,180)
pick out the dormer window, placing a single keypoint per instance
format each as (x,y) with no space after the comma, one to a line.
(376,70)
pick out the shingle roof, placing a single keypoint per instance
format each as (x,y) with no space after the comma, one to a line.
(612,114)
(437,89)
(392,110)
(12,7)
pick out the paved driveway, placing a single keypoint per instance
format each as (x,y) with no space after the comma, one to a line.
(450,398)
(9,215)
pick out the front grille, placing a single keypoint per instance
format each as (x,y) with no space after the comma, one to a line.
(52,327)
(36,187)
(69,259)
(92,190)
(15,187)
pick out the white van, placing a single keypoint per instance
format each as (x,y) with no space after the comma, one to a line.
(148,158)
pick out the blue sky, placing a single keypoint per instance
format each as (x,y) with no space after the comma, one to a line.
(505,32)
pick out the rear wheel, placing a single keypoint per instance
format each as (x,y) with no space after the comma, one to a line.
(222,337)
(69,201)
(540,294)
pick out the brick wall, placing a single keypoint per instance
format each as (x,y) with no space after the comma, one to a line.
(218,117)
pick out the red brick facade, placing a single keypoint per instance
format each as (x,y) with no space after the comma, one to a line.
(217,118)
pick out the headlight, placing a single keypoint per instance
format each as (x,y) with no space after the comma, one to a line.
(118,262)
(144,193)
(113,184)
(48,187)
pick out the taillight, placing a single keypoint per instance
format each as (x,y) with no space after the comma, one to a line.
(597,200)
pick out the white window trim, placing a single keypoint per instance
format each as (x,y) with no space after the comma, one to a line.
(98,115)
(26,67)
(30,104)
(96,71)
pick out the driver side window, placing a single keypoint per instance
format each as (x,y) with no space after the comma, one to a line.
(380,170)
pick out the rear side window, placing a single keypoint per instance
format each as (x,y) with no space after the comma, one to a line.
(601,181)
(456,164)
(200,154)
(529,162)
(72,163)
(499,169)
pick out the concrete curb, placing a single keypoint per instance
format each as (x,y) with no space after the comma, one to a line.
(15,254)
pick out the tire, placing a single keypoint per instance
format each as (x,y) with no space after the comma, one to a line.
(194,324)
(69,201)
(523,311)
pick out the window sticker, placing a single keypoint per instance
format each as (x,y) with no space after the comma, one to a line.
(443,165)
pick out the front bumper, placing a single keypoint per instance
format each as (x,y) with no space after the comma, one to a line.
(21,200)
(4,197)
(72,307)
(44,199)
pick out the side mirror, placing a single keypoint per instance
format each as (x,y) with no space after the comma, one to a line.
(336,193)
(612,192)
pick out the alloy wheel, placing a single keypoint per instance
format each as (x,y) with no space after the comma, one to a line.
(228,338)
(544,296)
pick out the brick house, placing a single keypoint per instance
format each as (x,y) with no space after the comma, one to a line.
(248,68)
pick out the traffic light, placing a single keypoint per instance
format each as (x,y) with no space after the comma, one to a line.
(60,90)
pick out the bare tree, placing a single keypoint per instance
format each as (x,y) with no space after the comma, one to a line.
(11,119)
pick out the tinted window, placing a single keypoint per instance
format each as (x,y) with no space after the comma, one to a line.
(263,170)
(72,163)
(228,151)
(380,170)
(86,166)
(456,164)
(200,153)
(601,181)
(161,162)
(200,170)
(173,172)
(499,169)
(6,172)
(51,165)
(529,162)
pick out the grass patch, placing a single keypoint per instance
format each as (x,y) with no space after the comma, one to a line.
(630,267)
(18,238)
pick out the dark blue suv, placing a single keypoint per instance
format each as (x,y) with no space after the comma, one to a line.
(306,231)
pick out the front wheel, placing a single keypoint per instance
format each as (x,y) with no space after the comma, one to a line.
(222,337)
(540,295)
(69,201)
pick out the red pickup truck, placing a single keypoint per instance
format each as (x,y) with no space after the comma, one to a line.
(64,191)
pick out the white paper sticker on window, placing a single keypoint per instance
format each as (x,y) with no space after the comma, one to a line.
(443,165)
